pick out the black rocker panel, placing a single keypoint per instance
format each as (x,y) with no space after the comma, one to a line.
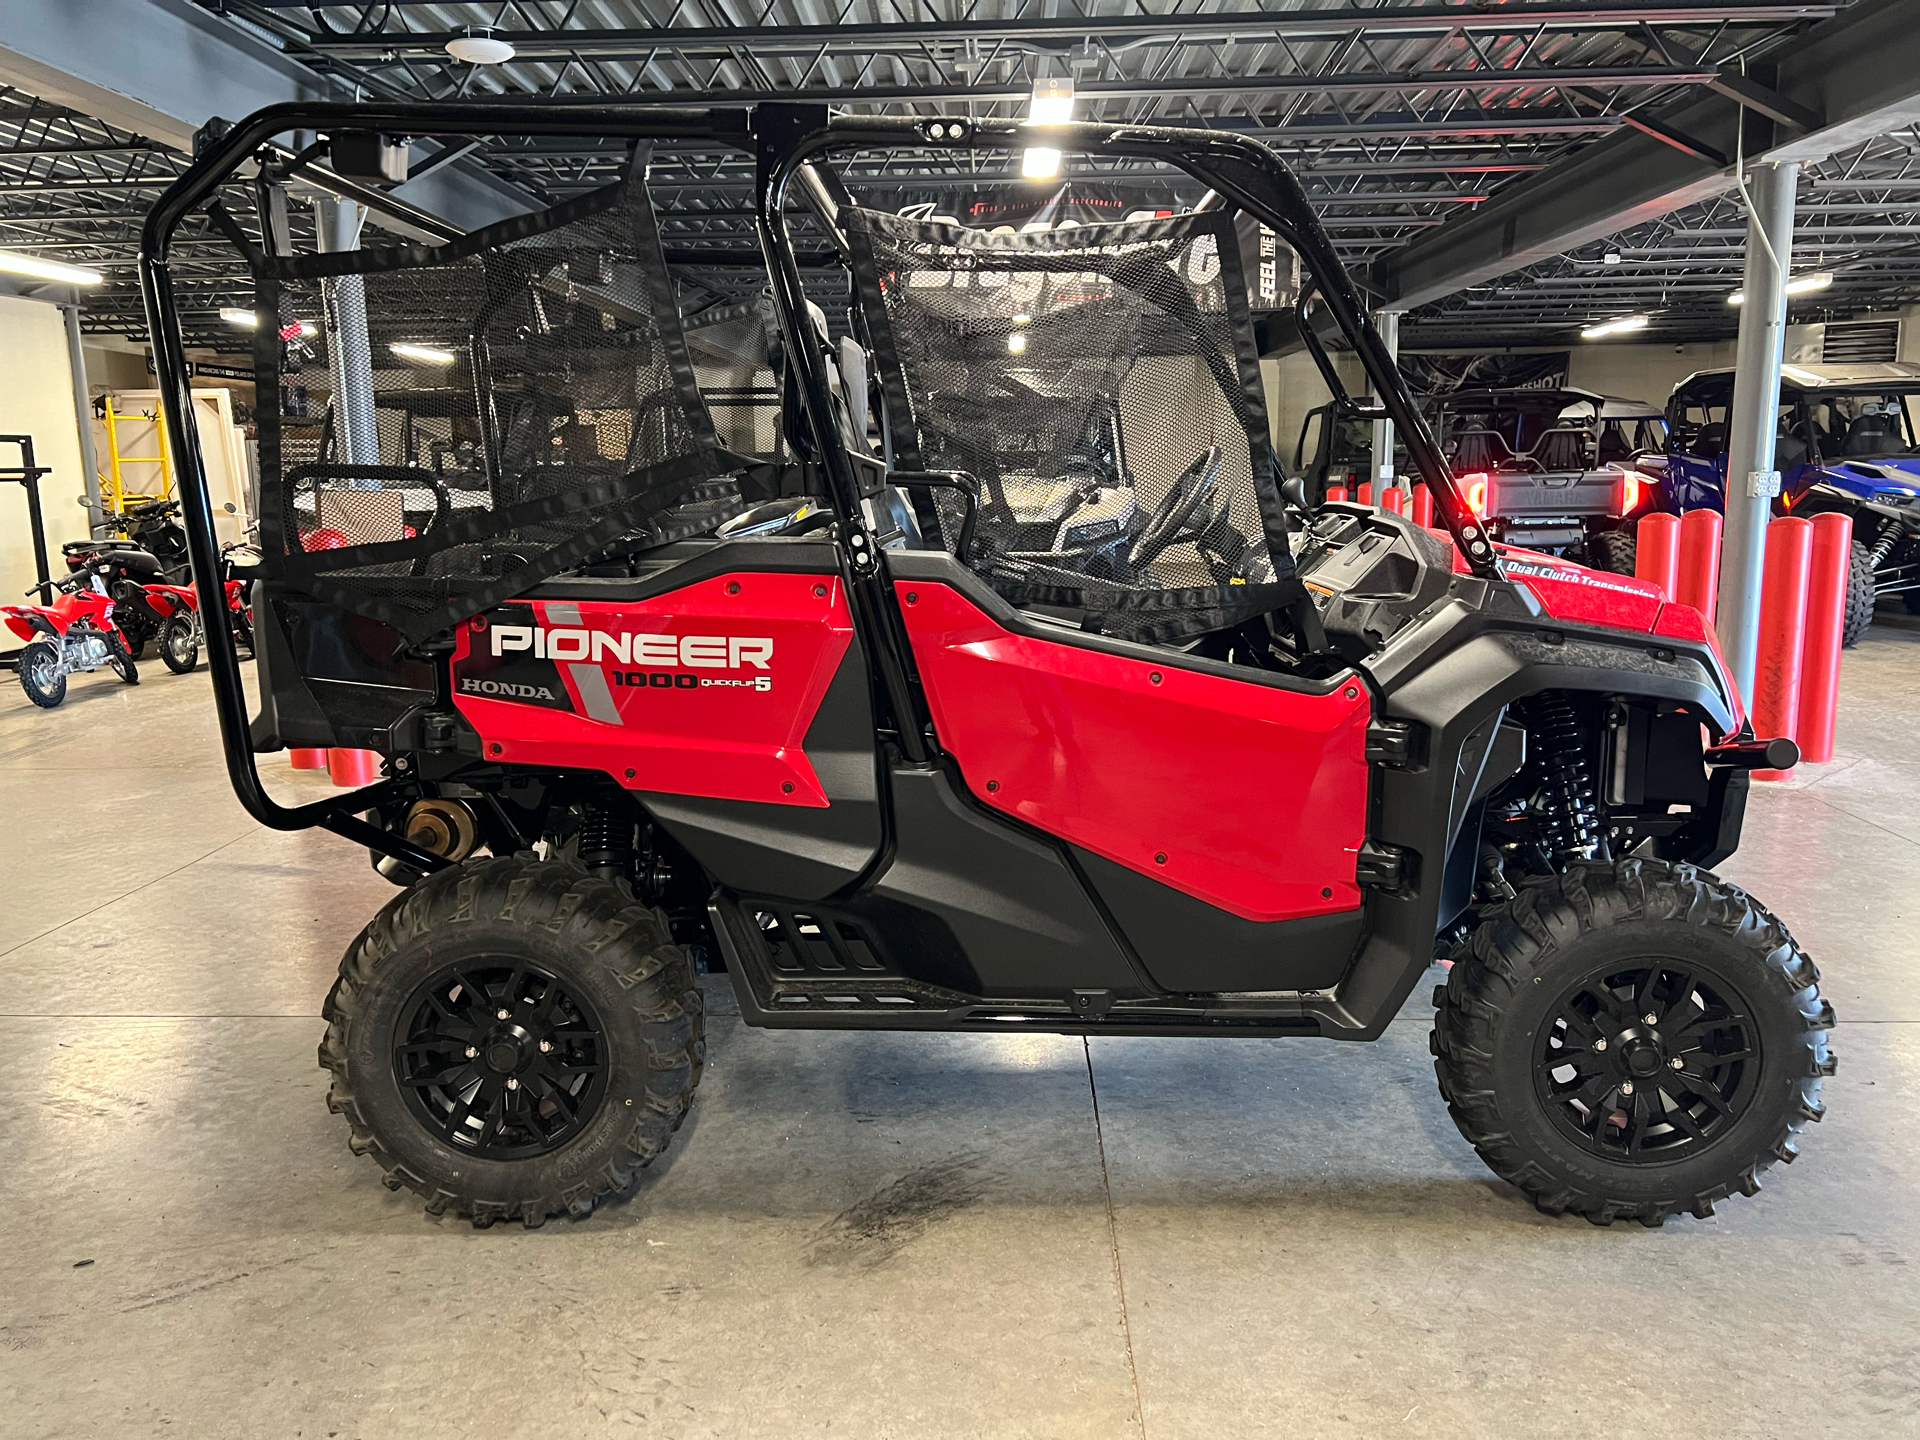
(788,851)
(1191,947)
(1013,903)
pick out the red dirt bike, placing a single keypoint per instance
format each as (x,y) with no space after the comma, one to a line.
(74,633)
(181,632)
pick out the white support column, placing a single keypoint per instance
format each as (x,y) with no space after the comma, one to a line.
(349,349)
(83,416)
(1387,322)
(1752,481)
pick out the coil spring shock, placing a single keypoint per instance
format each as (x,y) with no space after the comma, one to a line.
(606,841)
(1570,806)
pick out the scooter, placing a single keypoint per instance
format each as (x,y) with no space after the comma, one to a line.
(74,633)
(181,632)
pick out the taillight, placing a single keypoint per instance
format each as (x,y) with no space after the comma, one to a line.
(1631,488)
(1476,487)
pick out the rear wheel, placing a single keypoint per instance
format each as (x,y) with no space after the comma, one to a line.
(180,643)
(513,1039)
(1630,1041)
(1859,597)
(1613,551)
(40,674)
(121,660)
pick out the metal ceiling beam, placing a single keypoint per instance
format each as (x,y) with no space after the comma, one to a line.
(1861,70)
(1073,29)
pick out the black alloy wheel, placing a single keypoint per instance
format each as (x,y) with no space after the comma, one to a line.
(501,1060)
(1649,1063)
(180,642)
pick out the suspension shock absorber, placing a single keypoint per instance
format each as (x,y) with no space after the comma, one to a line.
(1569,800)
(606,841)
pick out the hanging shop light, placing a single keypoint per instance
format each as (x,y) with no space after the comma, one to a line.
(248,320)
(1614,327)
(1799,285)
(1051,104)
(425,354)
(31,265)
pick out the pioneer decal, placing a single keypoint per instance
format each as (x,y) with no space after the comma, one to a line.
(598,647)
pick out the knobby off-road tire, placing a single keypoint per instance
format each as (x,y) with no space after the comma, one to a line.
(180,643)
(1613,551)
(1562,933)
(120,660)
(622,978)
(40,674)
(1860,597)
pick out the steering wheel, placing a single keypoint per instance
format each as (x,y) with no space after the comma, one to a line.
(794,515)
(1172,514)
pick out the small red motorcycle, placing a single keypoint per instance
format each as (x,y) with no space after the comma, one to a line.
(181,632)
(76,632)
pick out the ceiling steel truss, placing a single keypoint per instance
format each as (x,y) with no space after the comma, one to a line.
(1397,116)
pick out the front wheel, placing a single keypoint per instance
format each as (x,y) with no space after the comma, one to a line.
(1630,1041)
(1860,597)
(40,674)
(120,658)
(180,643)
(513,1039)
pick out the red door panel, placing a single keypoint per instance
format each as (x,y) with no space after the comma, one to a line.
(1249,797)
(706,690)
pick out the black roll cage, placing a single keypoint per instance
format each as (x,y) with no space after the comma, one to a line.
(786,141)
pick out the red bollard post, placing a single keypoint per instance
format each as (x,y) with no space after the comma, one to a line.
(1423,507)
(1366,492)
(1783,633)
(1826,617)
(1699,583)
(1394,498)
(307,759)
(1336,492)
(353,767)
(1657,554)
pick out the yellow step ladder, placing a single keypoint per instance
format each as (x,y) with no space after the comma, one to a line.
(115,495)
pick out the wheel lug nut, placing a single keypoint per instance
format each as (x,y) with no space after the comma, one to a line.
(513,1084)
(500,1014)
(545,1046)
(1651,1018)
(1626,1087)
(472,1052)
(1601,1043)
(1677,1063)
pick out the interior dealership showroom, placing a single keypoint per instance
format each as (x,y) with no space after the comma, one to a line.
(959,718)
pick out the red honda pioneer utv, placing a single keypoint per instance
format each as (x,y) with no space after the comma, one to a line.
(1176,757)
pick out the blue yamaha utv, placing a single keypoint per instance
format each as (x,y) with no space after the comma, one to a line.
(1846,442)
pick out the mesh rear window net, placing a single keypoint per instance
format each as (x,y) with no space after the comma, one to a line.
(1099,386)
(524,396)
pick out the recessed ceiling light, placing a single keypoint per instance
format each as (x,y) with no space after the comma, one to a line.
(478,47)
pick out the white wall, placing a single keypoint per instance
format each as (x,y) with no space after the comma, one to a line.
(1294,387)
(1642,372)
(36,398)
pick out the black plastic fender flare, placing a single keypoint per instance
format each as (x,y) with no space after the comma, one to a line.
(1473,667)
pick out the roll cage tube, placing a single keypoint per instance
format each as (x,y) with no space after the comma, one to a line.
(200,181)
(1235,169)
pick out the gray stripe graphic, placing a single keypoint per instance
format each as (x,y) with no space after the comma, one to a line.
(591,682)
(560,612)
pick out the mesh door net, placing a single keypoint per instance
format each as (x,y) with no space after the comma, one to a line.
(1100,387)
(532,401)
